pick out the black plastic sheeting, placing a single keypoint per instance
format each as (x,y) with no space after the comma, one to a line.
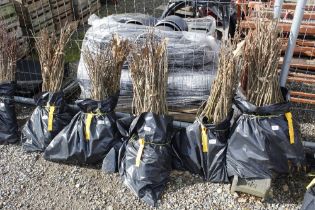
(73,144)
(35,135)
(148,179)
(209,161)
(259,143)
(309,199)
(110,162)
(8,122)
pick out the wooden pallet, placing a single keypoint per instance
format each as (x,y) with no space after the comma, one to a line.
(182,113)
(62,19)
(59,7)
(9,16)
(301,63)
(301,97)
(32,6)
(7,11)
(4,2)
(87,12)
(89,7)
(34,15)
(285,27)
(49,25)
(43,12)
(83,3)
(10,19)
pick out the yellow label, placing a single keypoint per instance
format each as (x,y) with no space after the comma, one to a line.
(140,151)
(88,121)
(288,115)
(204,139)
(311,184)
(51,117)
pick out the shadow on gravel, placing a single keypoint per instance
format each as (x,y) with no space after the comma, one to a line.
(289,189)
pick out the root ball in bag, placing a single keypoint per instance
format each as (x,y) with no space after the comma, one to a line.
(145,158)
(201,147)
(8,121)
(52,113)
(92,133)
(8,57)
(263,140)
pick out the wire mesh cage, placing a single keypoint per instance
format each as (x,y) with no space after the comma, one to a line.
(190,26)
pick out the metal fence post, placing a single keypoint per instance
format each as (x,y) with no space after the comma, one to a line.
(277,9)
(294,32)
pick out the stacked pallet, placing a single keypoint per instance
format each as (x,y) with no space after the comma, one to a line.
(84,8)
(35,15)
(10,18)
(62,12)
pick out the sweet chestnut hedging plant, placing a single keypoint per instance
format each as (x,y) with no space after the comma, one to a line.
(50,49)
(148,65)
(8,54)
(104,67)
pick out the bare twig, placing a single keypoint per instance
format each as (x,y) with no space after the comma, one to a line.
(104,67)
(219,103)
(8,54)
(260,80)
(149,72)
(51,56)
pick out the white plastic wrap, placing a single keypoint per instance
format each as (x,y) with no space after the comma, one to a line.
(192,56)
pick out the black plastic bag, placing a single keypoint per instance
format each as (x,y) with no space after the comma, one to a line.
(8,122)
(201,149)
(89,136)
(145,159)
(49,117)
(263,141)
(110,162)
(309,198)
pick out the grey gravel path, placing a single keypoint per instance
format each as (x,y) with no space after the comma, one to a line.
(27,181)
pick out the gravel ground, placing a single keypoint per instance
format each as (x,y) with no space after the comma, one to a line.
(27,181)
(30,182)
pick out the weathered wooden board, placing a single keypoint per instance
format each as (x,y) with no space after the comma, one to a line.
(3,2)
(84,15)
(302,100)
(301,63)
(62,19)
(286,27)
(59,7)
(185,114)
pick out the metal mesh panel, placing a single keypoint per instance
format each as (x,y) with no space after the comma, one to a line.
(190,76)
(301,79)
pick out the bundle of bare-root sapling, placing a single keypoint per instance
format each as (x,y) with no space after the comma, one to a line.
(263,141)
(146,161)
(52,113)
(93,133)
(201,147)
(8,56)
